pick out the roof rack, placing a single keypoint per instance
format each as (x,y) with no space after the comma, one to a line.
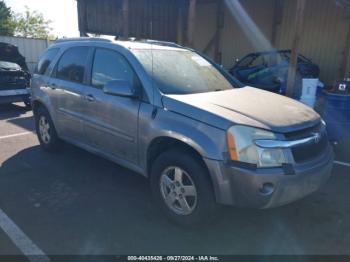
(62,40)
(148,41)
(132,39)
(162,43)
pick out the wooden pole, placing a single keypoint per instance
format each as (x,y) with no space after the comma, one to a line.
(210,44)
(219,25)
(180,27)
(299,22)
(82,18)
(345,56)
(277,20)
(126,18)
(191,22)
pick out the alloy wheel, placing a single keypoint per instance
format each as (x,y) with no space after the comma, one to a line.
(44,129)
(178,190)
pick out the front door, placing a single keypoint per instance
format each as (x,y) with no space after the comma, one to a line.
(111,122)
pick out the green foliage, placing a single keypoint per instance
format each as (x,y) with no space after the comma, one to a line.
(31,24)
(6,26)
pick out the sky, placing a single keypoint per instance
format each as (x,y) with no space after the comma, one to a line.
(62,13)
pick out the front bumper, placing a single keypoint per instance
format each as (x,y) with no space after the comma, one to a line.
(244,187)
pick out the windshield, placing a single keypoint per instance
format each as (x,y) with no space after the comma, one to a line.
(9,65)
(182,71)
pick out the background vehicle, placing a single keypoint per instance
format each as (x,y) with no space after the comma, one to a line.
(188,126)
(269,70)
(14,76)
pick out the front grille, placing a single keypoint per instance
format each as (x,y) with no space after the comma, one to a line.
(304,132)
(307,152)
(310,151)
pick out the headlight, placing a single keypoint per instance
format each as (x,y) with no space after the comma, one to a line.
(241,147)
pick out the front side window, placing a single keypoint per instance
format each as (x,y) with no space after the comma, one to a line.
(108,66)
(182,71)
(71,66)
(45,61)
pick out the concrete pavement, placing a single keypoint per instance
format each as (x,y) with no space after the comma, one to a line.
(75,202)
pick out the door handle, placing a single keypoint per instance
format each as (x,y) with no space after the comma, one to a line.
(90,98)
(52,86)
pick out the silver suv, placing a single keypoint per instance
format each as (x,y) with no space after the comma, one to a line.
(180,120)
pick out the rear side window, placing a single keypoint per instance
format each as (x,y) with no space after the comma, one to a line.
(108,66)
(71,66)
(45,61)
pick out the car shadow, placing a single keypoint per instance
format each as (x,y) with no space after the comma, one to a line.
(23,122)
(12,110)
(103,208)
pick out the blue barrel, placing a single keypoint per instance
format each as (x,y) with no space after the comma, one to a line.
(337,116)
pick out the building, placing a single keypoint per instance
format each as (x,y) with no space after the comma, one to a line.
(229,29)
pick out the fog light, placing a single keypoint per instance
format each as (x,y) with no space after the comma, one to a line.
(267,189)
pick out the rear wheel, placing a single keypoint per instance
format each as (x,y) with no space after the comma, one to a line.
(180,185)
(46,131)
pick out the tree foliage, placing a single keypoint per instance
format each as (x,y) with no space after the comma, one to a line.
(31,24)
(6,26)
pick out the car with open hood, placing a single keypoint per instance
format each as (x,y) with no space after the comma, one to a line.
(168,113)
(14,76)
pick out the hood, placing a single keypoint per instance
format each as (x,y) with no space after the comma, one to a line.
(244,106)
(10,53)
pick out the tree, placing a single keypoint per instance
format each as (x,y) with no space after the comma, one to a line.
(31,24)
(6,26)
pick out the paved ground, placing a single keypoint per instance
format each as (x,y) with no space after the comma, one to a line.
(78,203)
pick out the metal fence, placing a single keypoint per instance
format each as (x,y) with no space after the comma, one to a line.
(30,48)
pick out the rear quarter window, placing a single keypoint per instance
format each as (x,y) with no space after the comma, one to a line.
(45,61)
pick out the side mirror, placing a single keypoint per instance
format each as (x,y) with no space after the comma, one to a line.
(119,88)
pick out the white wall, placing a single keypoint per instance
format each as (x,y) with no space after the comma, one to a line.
(30,48)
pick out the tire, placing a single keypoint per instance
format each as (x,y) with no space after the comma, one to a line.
(200,208)
(46,131)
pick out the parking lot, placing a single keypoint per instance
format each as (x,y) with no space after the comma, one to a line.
(74,202)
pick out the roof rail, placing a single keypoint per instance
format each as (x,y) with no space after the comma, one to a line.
(148,41)
(162,43)
(62,40)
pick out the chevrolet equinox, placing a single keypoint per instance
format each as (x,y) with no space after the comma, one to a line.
(177,118)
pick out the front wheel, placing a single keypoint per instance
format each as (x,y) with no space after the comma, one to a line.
(181,186)
(46,131)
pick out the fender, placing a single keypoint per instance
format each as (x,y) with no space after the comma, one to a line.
(208,141)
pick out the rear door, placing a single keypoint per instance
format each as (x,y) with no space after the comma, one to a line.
(67,85)
(111,122)
(41,79)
